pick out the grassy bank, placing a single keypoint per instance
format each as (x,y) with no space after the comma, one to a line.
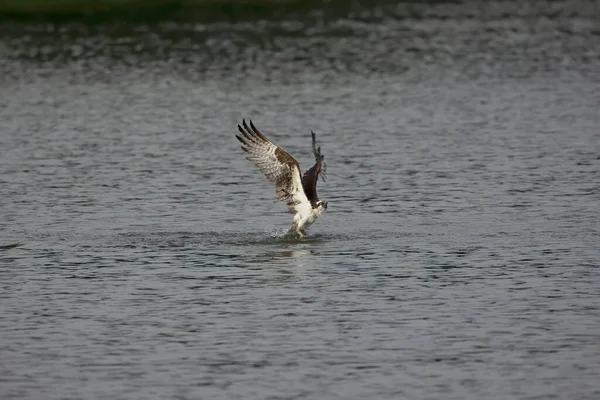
(179,9)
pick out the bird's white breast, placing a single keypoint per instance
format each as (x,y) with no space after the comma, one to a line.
(308,219)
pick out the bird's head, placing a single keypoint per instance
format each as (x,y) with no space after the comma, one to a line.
(322,204)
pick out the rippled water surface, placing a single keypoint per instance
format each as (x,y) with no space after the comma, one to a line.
(141,256)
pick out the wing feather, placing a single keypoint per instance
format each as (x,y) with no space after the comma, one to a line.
(311,176)
(276,164)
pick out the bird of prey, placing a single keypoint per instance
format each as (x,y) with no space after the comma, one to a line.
(283,170)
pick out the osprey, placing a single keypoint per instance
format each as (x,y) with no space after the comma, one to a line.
(284,171)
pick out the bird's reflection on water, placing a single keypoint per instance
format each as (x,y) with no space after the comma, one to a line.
(293,255)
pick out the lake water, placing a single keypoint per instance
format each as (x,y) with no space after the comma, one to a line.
(142,256)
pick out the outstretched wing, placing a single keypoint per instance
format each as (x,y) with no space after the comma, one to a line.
(277,165)
(310,178)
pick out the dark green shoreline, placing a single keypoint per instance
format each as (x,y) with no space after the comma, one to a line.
(192,10)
